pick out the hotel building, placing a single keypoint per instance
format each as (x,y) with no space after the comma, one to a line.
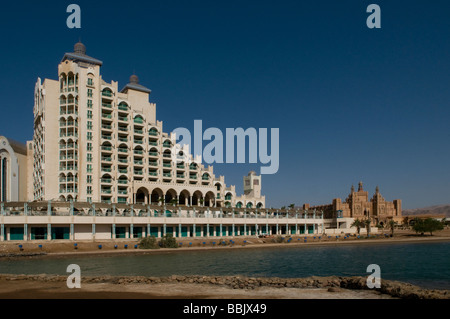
(101,167)
(95,142)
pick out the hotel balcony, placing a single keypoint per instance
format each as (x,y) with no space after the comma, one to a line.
(106,169)
(153,143)
(122,200)
(153,133)
(107,137)
(107,117)
(193,176)
(122,161)
(106,180)
(122,150)
(139,153)
(106,149)
(138,172)
(138,121)
(123,170)
(138,141)
(138,163)
(123,107)
(122,129)
(167,144)
(122,192)
(167,164)
(122,118)
(152,154)
(107,105)
(106,127)
(122,181)
(152,163)
(106,159)
(153,173)
(122,139)
(138,132)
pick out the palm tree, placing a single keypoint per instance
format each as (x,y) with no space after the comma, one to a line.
(392,225)
(358,224)
(367,223)
(291,206)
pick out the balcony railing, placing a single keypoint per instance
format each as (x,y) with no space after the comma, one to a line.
(122,181)
(122,107)
(153,133)
(153,153)
(153,173)
(107,93)
(123,118)
(153,163)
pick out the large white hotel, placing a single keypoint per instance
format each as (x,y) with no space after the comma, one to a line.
(100,167)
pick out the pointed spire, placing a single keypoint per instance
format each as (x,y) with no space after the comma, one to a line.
(360,187)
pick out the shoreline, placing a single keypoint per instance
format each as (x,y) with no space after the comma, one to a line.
(208,287)
(252,243)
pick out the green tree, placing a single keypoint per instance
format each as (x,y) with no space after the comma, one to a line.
(367,224)
(148,243)
(358,224)
(168,241)
(392,225)
(292,206)
(427,225)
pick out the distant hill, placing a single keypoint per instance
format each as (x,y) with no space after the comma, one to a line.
(432,210)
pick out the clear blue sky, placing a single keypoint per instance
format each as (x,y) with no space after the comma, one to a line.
(351,103)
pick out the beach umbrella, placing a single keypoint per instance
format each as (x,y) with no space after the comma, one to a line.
(99,246)
(125,246)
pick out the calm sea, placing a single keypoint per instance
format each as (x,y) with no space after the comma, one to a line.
(424,264)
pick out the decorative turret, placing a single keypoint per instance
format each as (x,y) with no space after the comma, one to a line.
(79,48)
(360,187)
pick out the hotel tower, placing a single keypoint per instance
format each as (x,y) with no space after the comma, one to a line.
(96,142)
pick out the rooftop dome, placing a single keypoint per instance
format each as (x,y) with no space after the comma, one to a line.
(79,48)
(134,79)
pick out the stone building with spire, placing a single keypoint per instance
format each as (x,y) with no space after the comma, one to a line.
(358,205)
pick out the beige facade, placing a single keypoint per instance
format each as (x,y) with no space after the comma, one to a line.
(13,170)
(358,206)
(95,142)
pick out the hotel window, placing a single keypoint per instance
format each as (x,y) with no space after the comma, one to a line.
(89,104)
(89,190)
(89,125)
(89,157)
(90,82)
(89,146)
(89,168)
(89,199)
(89,114)
(89,93)
(89,136)
(89,179)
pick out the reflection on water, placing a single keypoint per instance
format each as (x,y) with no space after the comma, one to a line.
(425,264)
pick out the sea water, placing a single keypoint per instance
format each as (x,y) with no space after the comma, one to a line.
(423,264)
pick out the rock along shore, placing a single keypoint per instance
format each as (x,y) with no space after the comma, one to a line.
(333,283)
